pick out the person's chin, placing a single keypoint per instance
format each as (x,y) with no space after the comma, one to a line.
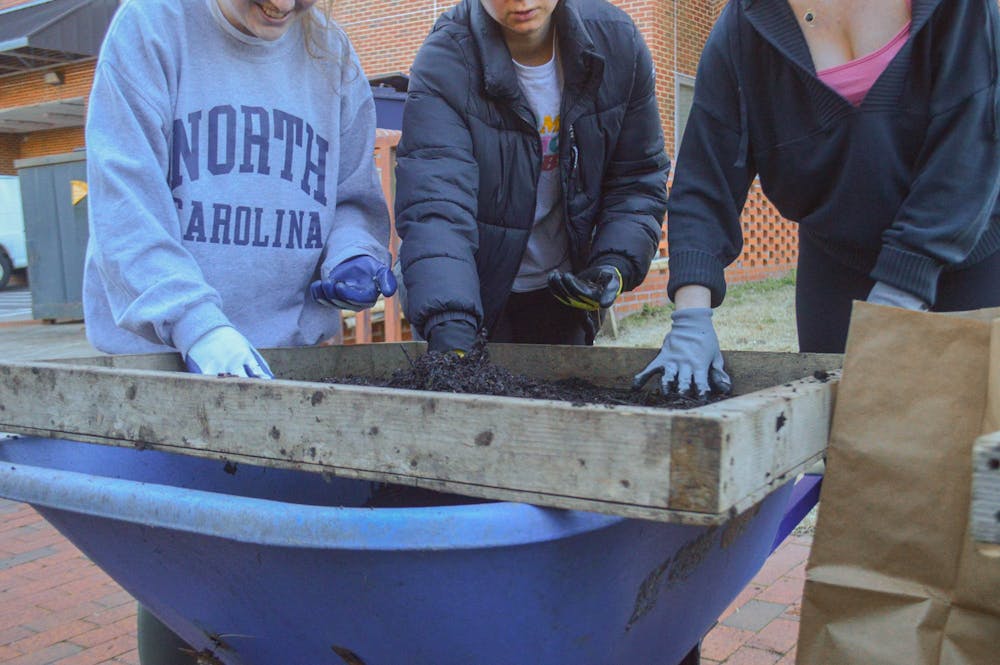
(270,33)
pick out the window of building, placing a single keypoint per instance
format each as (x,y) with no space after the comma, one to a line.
(683,99)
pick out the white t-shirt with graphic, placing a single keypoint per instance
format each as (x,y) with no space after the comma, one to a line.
(548,246)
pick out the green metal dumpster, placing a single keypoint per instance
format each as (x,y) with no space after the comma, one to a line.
(56,233)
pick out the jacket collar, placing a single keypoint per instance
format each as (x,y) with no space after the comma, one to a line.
(775,22)
(582,65)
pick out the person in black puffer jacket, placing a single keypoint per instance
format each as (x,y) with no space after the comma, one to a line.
(531,173)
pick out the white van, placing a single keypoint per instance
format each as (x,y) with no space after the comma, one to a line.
(13,252)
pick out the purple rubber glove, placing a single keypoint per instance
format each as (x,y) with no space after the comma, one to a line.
(883,294)
(223,350)
(690,355)
(354,284)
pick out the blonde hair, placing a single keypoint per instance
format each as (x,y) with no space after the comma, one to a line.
(316,24)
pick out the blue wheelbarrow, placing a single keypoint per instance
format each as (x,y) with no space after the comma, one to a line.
(265,566)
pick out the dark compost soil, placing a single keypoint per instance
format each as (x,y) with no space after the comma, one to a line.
(475,374)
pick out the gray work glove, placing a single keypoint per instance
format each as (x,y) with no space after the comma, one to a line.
(883,294)
(690,354)
(224,350)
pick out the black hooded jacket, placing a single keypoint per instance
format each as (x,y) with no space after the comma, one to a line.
(470,158)
(901,187)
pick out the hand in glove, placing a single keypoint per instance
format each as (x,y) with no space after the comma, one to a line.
(225,351)
(690,353)
(883,294)
(354,284)
(454,336)
(590,289)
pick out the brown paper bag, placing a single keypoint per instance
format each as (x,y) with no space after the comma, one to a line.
(894,577)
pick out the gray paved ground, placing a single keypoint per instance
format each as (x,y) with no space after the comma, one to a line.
(22,338)
(15,304)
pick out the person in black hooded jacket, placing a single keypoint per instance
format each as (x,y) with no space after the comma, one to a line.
(531,173)
(875,127)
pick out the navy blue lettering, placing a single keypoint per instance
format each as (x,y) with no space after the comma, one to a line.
(241,229)
(184,149)
(318,167)
(260,139)
(295,230)
(314,239)
(196,223)
(277,231)
(216,116)
(257,240)
(244,226)
(288,128)
(220,222)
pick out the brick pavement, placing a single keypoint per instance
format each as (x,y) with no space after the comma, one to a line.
(57,608)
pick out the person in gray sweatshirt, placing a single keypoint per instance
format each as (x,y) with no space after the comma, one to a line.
(233,199)
(229,164)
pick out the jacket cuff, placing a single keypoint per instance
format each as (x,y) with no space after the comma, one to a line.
(196,322)
(914,273)
(624,266)
(697,267)
(442,317)
(453,335)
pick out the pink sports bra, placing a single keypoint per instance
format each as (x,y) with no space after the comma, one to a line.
(852,80)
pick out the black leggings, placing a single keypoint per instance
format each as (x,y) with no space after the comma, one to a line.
(536,317)
(825,290)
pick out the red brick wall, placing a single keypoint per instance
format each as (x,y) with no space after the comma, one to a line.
(387,34)
(10,149)
(52,142)
(29,88)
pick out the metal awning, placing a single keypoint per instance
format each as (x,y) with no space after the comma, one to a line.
(47,33)
(47,115)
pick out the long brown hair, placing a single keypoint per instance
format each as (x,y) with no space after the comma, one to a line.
(314,31)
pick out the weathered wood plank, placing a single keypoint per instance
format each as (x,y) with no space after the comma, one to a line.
(985,513)
(691,466)
(604,365)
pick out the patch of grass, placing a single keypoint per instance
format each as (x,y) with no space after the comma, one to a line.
(648,312)
(755,316)
(736,294)
(739,293)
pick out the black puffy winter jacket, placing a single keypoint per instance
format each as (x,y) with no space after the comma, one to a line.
(470,158)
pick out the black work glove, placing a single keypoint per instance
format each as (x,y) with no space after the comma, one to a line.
(451,336)
(591,289)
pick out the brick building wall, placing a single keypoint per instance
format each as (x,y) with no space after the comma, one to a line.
(388,33)
(29,88)
(10,149)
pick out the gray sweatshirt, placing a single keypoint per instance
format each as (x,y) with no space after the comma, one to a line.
(225,174)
